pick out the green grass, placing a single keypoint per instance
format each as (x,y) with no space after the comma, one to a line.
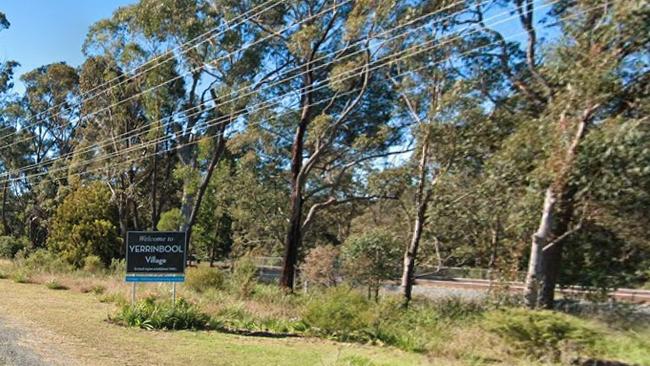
(334,327)
(78,321)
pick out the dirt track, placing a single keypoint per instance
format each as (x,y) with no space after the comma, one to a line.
(11,351)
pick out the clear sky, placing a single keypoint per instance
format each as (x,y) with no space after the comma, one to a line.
(46,31)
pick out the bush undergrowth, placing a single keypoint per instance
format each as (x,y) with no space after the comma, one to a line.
(542,334)
(150,314)
(203,278)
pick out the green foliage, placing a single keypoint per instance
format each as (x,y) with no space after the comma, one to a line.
(541,334)
(243,278)
(43,260)
(93,264)
(10,246)
(170,220)
(118,267)
(149,314)
(212,235)
(21,276)
(345,314)
(201,279)
(84,225)
(371,257)
(237,318)
(113,297)
(53,284)
(4,23)
(339,312)
(94,289)
(456,308)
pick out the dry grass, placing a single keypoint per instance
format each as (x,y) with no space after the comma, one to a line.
(97,294)
(72,326)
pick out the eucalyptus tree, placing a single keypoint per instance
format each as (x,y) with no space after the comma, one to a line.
(341,123)
(597,77)
(216,63)
(49,109)
(10,159)
(45,120)
(108,139)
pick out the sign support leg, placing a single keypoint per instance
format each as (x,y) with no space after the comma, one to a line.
(174,294)
(133,294)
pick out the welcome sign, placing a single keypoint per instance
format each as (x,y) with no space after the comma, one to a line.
(155,253)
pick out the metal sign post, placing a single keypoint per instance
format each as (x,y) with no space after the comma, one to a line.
(174,294)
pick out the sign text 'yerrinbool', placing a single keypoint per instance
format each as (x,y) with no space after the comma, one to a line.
(155,252)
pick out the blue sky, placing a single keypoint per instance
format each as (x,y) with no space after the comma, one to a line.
(46,31)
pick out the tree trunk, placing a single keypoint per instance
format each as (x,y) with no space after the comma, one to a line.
(122,218)
(552,256)
(5,222)
(539,240)
(544,264)
(421,200)
(294,232)
(495,243)
(190,207)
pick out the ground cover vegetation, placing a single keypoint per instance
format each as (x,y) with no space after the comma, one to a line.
(479,331)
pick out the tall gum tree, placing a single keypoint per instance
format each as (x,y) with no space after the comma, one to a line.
(215,75)
(339,125)
(590,74)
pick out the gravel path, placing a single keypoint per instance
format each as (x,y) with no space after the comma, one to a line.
(12,352)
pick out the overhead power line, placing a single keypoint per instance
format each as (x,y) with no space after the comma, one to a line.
(130,134)
(196,141)
(167,55)
(190,72)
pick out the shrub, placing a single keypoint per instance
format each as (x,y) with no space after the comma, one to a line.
(93,264)
(456,308)
(243,277)
(10,246)
(83,225)
(118,266)
(371,258)
(339,312)
(148,314)
(3,275)
(55,285)
(203,278)
(541,334)
(170,220)
(21,276)
(95,289)
(113,297)
(321,266)
(43,260)
(413,329)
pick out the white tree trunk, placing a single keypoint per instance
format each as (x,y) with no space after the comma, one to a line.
(539,240)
